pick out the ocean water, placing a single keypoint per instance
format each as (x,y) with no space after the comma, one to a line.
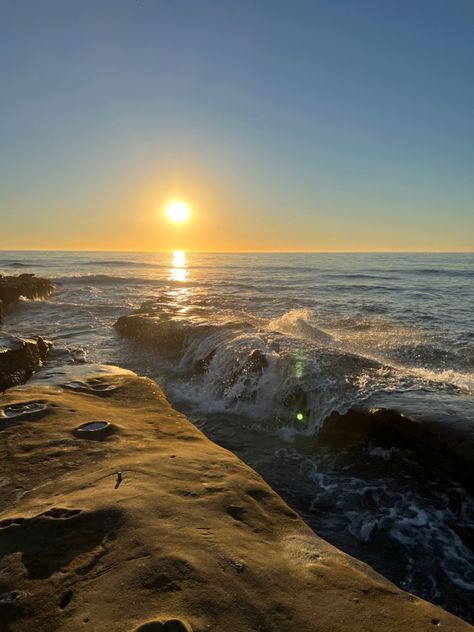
(258,349)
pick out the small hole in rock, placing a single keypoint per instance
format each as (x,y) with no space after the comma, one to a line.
(65,600)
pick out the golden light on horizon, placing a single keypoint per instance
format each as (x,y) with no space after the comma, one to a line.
(177,211)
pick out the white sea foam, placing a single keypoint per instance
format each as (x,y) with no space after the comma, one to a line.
(296,322)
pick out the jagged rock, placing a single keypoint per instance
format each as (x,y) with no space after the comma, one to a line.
(27,285)
(257,361)
(152,330)
(20,358)
(158,331)
(386,428)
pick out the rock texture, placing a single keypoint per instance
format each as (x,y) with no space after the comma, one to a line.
(435,444)
(26,285)
(20,358)
(154,527)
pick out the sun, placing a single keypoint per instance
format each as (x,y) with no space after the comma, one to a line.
(177,211)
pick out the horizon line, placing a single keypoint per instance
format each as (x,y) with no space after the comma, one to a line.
(167,250)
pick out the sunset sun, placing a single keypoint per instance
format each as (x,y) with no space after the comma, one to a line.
(177,211)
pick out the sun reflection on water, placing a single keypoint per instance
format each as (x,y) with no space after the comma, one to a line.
(178,271)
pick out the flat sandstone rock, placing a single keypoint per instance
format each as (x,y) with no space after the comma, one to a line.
(154,527)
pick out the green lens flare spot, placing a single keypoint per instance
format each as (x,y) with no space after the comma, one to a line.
(300,416)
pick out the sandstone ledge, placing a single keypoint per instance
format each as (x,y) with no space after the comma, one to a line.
(186,534)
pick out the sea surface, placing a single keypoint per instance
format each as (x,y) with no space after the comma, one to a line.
(274,343)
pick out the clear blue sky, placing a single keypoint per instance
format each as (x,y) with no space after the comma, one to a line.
(295,125)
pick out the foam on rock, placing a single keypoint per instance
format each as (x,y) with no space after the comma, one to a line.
(26,285)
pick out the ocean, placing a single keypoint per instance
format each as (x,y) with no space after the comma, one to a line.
(264,347)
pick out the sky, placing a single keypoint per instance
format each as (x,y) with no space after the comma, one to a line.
(296,125)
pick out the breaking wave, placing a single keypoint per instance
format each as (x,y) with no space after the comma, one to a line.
(286,372)
(17,264)
(297,323)
(283,372)
(107,279)
(122,263)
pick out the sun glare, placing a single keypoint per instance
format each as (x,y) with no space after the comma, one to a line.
(178,270)
(177,211)
(179,259)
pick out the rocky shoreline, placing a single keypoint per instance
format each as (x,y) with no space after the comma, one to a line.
(141,523)
(23,285)
(21,357)
(154,527)
(435,445)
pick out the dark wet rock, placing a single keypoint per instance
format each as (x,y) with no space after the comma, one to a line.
(297,399)
(201,365)
(254,364)
(444,414)
(257,361)
(26,285)
(152,330)
(20,358)
(391,428)
(165,332)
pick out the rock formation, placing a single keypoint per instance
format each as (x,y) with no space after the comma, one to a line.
(154,527)
(20,358)
(26,285)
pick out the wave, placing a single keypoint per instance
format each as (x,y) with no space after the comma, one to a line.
(401,522)
(297,323)
(122,263)
(464,381)
(17,264)
(344,275)
(434,272)
(349,288)
(286,371)
(94,279)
